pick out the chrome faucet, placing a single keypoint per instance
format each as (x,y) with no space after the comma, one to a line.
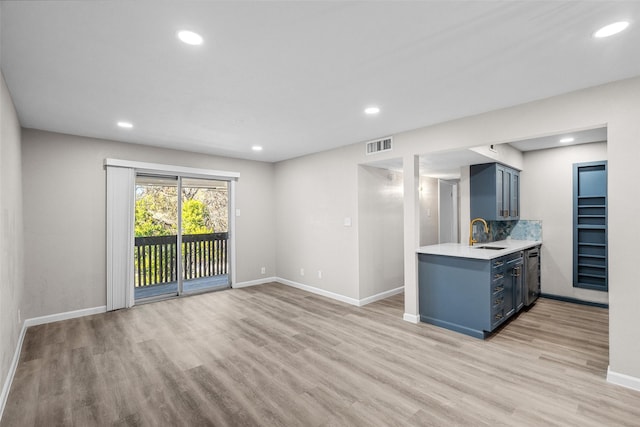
(473,221)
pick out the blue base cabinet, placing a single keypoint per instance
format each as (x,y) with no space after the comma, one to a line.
(467,295)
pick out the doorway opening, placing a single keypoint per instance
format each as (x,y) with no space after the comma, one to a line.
(181,236)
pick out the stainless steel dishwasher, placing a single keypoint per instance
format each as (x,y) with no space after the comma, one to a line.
(531,275)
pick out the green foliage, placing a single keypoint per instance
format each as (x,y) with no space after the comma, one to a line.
(156,215)
(195,217)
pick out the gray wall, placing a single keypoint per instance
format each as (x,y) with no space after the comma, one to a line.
(547,195)
(11,232)
(314,195)
(64,216)
(380,227)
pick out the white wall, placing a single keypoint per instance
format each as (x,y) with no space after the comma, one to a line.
(429,211)
(64,216)
(502,153)
(314,195)
(11,235)
(380,227)
(547,194)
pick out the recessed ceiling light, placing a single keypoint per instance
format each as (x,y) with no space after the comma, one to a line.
(566,140)
(372,110)
(189,37)
(611,29)
(256,148)
(125,125)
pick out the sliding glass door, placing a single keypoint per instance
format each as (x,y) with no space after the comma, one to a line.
(205,233)
(181,243)
(156,233)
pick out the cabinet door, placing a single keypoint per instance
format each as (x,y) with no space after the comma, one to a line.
(509,296)
(518,285)
(500,179)
(513,299)
(506,193)
(515,195)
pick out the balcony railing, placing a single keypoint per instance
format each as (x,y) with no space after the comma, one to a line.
(203,255)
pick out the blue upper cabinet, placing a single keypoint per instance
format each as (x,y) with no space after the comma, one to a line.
(495,192)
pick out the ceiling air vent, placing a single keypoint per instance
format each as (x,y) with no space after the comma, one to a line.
(379,145)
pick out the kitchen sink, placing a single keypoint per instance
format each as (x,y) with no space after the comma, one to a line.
(493,248)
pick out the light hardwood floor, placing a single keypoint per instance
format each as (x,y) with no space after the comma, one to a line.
(273,355)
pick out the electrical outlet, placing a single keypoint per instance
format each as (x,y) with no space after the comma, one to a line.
(319,274)
(263,270)
(302,271)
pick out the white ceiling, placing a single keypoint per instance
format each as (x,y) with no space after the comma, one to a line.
(553,141)
(295,77)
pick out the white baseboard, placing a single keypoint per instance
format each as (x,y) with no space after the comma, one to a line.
(381,295)
(413,318)
(254,282)
(64,316)
(319,291)
(623,380)
(12,370)
(340,297)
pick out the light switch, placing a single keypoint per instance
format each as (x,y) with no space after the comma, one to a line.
(347,221)
(237,212)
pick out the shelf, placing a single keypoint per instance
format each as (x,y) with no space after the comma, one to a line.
(597,276)
(592,266)
(592,256)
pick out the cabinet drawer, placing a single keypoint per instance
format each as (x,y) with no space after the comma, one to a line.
(497,288)
(497,265)
(497,300)
(497,316)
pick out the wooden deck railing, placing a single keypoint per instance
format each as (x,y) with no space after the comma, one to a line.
(203,255)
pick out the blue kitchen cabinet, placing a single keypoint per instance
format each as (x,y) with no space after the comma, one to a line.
(468,295)
(495,192)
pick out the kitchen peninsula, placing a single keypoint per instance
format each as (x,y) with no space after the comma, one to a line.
(474,289)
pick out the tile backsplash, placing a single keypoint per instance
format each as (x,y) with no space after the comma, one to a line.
(522,229)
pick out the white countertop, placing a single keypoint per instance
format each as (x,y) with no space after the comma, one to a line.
(463,250)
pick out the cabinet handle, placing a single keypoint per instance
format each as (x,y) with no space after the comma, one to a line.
(498,288)
(498,301)
(498,263)
(498,276)
(498,316)
(515,272)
